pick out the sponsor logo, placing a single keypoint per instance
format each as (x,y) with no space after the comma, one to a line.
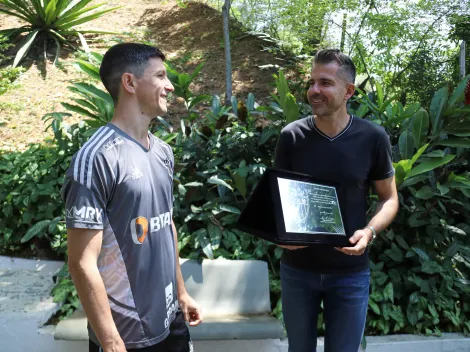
(88,214)
(139,229)
(169,294)
(114,142)
(171,306)
(140,226)
(136,174)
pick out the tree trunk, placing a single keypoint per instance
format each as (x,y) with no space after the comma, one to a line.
(462,59)
(343,31)
(228,57)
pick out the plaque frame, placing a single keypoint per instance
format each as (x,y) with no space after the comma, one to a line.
(263,213)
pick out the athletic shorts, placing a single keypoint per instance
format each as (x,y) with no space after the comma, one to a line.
(177,341)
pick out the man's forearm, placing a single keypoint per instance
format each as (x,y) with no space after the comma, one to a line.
(92,293)
(384,214)
(179,275)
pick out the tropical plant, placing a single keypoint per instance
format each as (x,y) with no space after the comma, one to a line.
(421,265)
(181,83)
(50,19)
(8,75)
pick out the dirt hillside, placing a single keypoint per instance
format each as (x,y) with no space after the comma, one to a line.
(187,36)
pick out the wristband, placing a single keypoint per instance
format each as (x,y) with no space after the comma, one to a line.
(374,233)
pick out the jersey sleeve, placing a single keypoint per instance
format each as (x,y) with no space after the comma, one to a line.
(382,166)
(281,157)
(86,191)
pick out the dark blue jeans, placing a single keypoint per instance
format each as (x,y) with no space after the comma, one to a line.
(345,300)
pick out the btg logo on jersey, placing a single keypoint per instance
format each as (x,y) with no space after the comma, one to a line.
(140,226)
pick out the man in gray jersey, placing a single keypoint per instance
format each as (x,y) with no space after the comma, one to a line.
(122,242)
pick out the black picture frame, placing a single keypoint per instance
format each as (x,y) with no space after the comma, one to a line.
(263,214)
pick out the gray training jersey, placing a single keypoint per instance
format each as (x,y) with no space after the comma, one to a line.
(116,185)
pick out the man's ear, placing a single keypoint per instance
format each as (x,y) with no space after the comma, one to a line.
(128,83)
(350,89)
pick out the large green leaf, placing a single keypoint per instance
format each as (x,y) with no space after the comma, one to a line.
(90,69)
(406,145)
(16,14)
(282,88)
(75,6)
(204,243)
(438,104)
(240,183)
(75,12)
(455,142)
(93,91)
(420,127)
(457,94)
(79,110)
(88,18)
(28,42)
(196,100)
(50,12)
(429,165)
(250,102)
(425,192)
(217,181)
(421,150)
(374,307)
(380,94)
(460,129)
(215,234)
(22,7)
(196,71)
(291,109)
(83,42)
(35,230)
(388,292)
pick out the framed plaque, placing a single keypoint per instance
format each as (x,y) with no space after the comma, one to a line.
(295,209)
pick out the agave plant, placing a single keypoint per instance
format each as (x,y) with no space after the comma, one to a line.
(54,19)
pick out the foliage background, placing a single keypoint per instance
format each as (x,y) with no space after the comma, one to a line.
(420,266)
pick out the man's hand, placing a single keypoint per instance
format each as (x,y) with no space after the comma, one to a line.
(117,345)
(291,248)
(361,238)
(191,310)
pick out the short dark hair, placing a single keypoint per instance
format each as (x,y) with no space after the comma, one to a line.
(346,65)
(122,58)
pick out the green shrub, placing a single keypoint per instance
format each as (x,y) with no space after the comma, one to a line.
(50,19)
(8,77)
(30,194)
(421,265)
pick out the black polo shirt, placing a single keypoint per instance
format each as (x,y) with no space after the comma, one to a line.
(358,155)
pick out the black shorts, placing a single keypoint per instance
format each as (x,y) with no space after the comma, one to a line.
(177,341)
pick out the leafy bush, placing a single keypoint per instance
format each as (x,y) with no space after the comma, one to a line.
(420,266)
(30,194)
(50,19)
(8,75)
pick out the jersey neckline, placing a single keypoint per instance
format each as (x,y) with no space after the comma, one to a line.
(124,134)
(331,139)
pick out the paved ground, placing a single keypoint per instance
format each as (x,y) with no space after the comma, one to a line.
(26,304)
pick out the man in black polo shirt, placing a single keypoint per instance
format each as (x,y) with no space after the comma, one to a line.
(334,146)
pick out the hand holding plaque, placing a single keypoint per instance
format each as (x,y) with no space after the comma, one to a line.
(294,209)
